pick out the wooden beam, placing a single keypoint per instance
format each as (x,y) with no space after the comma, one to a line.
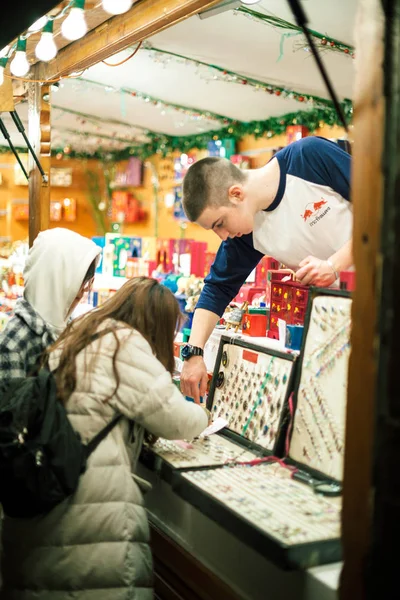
(39,137)
(367,197)
(143,20)
(383,565)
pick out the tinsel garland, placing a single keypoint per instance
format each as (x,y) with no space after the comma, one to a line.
(221,74)
(325,41)
(165,144)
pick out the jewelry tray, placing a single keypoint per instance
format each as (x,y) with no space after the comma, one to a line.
(250,388)
(282,518)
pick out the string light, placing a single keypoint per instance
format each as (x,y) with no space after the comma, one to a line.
(46,49)
(74,26)
(19,65)
(3,62)
(4,52)
(117,7)
(38,25)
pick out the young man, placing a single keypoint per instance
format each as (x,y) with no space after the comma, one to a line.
(59,268)
(296,208)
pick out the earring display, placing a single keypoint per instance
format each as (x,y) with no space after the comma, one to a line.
(249,391)
(267,497)
(319,424)
(207,451)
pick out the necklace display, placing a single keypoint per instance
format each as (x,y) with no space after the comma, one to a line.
(250,393)
(319,423)
(266,496)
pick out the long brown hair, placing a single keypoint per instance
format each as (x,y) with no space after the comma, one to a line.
(142,304)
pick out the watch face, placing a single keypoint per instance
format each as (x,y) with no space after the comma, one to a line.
(186,351)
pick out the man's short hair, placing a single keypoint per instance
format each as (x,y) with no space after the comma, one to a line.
(207,183)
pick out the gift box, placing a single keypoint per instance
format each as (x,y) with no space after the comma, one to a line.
(296,132)
(255,322)
(267,263)
(347,280)
(289,303)
(248,292)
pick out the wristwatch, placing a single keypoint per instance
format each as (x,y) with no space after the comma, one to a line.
(188,351)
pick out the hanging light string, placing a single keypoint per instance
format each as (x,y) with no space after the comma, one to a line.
(325,41)
(217,73)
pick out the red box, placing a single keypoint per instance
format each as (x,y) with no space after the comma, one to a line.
(255,325)
(273,276)
(296,132)
(198,260)
(267,263)
(289,303)
(247,293)
(347,280)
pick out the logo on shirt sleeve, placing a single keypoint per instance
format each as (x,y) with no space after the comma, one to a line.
(315,211)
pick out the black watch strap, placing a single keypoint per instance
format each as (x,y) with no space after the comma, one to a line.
(188,351)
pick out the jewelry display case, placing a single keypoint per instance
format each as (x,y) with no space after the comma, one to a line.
(250,390)
(290,509)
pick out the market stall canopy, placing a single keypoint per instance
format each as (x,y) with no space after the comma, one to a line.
(234,71)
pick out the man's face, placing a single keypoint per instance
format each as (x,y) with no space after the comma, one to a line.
(228,221)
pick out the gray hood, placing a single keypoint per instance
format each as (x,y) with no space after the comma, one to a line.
(55,268)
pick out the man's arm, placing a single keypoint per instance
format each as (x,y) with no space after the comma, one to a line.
(319,272)
(235,260)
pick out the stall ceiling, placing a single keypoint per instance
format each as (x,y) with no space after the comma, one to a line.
(114,107)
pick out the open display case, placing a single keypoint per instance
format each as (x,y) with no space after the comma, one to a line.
(250,390)
(289,509)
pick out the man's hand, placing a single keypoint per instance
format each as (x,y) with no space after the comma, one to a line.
(315,272)
(194,372)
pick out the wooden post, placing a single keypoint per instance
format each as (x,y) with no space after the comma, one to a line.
(367,197)
(40,138)
(383,568)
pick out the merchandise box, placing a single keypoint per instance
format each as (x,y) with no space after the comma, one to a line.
(124,247)
(289,303)
(250,390)
(289,509)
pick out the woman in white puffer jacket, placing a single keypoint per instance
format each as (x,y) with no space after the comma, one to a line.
(95,545)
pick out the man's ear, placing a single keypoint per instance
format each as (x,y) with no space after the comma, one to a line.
(236,193)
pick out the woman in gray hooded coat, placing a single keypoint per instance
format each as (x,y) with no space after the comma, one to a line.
(95,545)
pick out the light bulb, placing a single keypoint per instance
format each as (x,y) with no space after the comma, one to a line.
(116,7)
(38,25)
(4,52)
(74,27)
(19,65)
(249,1)
(46,49)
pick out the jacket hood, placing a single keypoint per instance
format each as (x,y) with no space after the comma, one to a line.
(54,271)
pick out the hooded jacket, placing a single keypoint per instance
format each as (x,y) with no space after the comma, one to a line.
(54,271)
(95,545)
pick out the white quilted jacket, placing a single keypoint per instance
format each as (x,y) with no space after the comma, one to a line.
(95,545)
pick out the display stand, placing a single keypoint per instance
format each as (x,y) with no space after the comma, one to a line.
(267,501)
(250,391)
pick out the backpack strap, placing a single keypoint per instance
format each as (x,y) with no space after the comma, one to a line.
(94,442)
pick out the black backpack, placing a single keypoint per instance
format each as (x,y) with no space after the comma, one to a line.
(41,456)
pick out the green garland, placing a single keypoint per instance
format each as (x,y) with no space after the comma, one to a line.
(325,41)
(228,76)
(165,144)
